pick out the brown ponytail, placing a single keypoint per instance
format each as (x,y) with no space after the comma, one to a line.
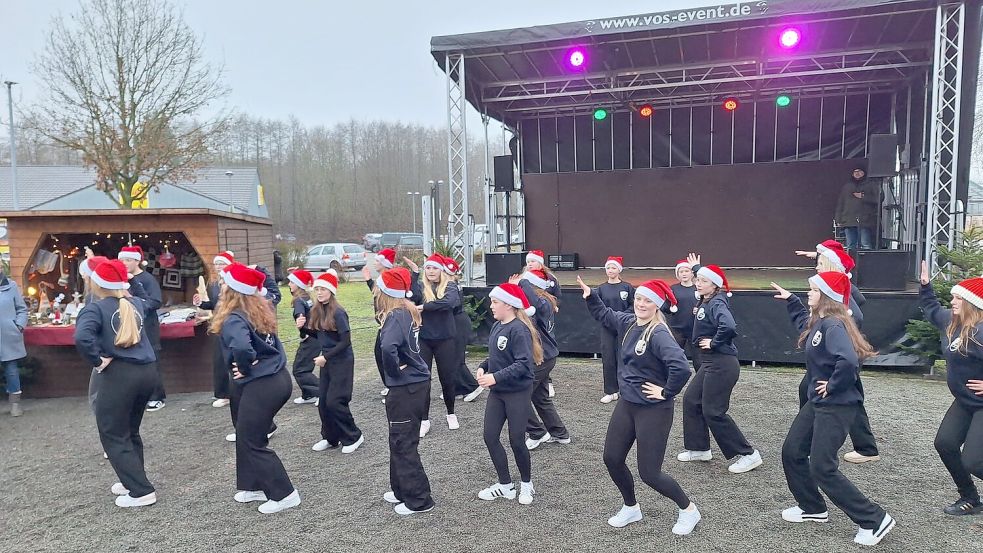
(537,344)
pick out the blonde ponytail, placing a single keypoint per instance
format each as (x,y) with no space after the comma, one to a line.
(537,344)
(129,327)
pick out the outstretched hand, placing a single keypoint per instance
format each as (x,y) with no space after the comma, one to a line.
(782,294)
(809,254)
(583,287)
(366,273)
(693,259)
(925,277)
(411,264)
(514,279)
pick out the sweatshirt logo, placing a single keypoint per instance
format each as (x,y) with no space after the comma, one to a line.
(503,341)
(701,314)
(817,338)
(640,347)
(270,340)
(624,295)
(415,339)
(954,345)
(550,325)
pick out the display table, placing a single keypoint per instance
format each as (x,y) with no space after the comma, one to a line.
(185,360)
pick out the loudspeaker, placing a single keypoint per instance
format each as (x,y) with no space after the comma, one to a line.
(500,266)
(882,269)
(882,153)
(504,174)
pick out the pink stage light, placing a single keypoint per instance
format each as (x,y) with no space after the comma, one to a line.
(576,58)
(790,38)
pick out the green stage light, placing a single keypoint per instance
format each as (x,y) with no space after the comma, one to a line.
(783,101)
(600,114)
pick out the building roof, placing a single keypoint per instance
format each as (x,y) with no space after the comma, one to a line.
(58,187)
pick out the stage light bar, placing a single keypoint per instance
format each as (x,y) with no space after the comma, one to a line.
(790,37)
(730,104)
(783,101)
(600,114)
(576,58)
(646,111)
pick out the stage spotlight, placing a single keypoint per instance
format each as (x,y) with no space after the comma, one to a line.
(576,58)
(730,104)
(600,114)
(646,111)
(790,37)
(783,101)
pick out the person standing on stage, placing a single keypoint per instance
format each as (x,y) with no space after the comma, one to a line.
(408,379)
(261,387)
(110,335)
(536,261)
(133,258)
(514,350)
(467,387)
(336,360)
(707,399)
(619,296)
(652,371)
(221,383)
(681,322)
(550,429)
(856,210)
(959,440)
(834,347)
(441,297)
(300,283)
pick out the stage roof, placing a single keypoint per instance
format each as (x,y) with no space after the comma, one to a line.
(697,55)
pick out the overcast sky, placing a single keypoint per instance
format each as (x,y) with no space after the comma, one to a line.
(322,61)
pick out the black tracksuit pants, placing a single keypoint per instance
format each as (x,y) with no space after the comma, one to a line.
(514,408)
(544,406)
(962,427)
(609,361)
(406,407)
(811,463)
(861,435)
(335,394)
(159,394)
(308,349)
(221,381)
(377,349)
(121,394)
(443,352)
(258,468)
(466,382)
(705,406)
(650,426)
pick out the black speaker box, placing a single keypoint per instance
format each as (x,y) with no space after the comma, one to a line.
(882,269)
(504,175)
(500,266)
(882,153)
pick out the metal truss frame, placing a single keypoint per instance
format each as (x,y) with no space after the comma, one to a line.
(460,238)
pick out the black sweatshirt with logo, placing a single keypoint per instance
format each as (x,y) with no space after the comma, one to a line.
(510,357)
(960,367)
(830,357)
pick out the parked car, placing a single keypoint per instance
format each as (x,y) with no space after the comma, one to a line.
(371,241)
(338,256)
(410,244)
(391,239)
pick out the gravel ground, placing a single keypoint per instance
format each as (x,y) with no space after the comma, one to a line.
(54,484)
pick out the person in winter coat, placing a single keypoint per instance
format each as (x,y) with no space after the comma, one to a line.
(221,384)
(856,210)
(13,319)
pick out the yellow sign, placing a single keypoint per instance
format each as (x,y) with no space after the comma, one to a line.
(138,189)
(262,197)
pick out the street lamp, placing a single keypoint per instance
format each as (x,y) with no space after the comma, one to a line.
(13,144)
(229,174)
(413,207)
(435,194)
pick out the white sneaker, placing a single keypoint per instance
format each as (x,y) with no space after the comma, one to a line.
(497,490)
(105,455)
(424,428)
(220,403)
(270,435)
(119,489)
(384,392)
(874,537)
(154,406)
(249,497)
(288,502)
(302,401)
(859,458)
(230,437)
(323,445)
(127,501)
(441,396)
(473,395)
(317,402)
(526,491)
(796,514)
(610,397)
(551,389)
(554,440)
(452,422)
(687,456)
(746,463)
(626,516)
(351,448)
(390,497)
(403,510)
(687,521)
(532,443)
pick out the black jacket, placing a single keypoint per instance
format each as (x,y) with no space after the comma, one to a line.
(960,367)
(256,355)
(681,322)
(95,334)
(152,300)
(715,321)
(399,342)
(830,357)
(545,319)
(337,343)
(302,308)
(510,357)
(852,211)
(619,297)
(438,315)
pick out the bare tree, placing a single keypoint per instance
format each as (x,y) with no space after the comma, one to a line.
(126,82)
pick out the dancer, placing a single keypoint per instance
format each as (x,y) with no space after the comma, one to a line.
(617,295)
(134,259)
(536,261)
(514,350)
(467,387)
(221,383)
(959,440)
(652,372)
(300,283)
(681,322)
(441,297)
(707,399)
(408,380)
(336,360)
(110,335)
(385,259)
(834,347)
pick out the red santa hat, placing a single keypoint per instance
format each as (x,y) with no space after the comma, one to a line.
(834,285)
(615,261)
(396,283)
(226,257)
(451,266)
(716,275)
(436,261)
(659,293)
(386,258)
(836,254)
(88,265)
(511,294)
(302,279)
(682,264)
(244,280)
(970,290)
(538,279)
(111,275)
(134,253)
(536,255)
(327,280)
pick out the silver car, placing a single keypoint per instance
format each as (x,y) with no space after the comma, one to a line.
(338,256)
